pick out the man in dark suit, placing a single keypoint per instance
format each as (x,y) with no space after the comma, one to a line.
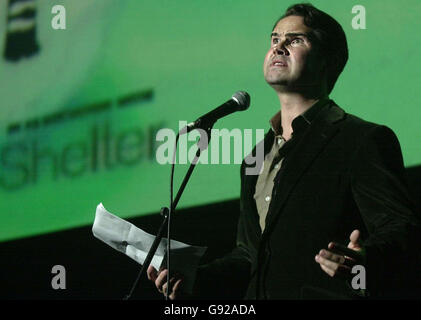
(328,178)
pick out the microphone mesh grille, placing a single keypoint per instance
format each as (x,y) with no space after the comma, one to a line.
(243,99)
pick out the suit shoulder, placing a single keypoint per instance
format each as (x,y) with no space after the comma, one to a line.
(357,131)
(354,122)
(362,128)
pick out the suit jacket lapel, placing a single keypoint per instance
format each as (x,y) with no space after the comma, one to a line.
(250,180)
(310,145)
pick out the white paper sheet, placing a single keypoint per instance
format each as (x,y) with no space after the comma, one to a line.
(135,243)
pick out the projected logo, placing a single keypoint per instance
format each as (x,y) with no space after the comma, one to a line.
(20,30)
(42,68)
(41,71)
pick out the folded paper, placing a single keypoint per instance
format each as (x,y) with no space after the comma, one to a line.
(135,243)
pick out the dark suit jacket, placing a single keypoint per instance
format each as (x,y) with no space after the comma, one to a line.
(344,174)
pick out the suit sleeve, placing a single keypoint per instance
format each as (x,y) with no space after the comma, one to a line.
(380,191)
(227,277)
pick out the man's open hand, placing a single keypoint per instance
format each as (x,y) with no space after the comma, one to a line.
(160,280)
(338,260)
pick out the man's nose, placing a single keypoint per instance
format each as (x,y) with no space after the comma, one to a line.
(279,49)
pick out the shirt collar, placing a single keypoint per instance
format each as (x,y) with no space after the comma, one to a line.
(302,121)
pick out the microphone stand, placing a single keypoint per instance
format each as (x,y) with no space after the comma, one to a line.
(166,212)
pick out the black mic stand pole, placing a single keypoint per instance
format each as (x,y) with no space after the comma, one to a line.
(165,212)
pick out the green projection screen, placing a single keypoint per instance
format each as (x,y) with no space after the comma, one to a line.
(81,106)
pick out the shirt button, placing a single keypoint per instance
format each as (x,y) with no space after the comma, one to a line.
(277,166)
(267,199)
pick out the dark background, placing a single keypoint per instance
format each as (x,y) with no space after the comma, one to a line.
(96,271)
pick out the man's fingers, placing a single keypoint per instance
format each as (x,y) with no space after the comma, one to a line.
(332,256)
(175,288)
(342,272)
(177,284)
(165,286)
(161,280)
(342,250)
(338,260)
(151,273)
(174,284)
(333,269)
(355,235)
(327,263)
(330,272)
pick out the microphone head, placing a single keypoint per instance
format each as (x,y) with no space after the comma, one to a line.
(243,100)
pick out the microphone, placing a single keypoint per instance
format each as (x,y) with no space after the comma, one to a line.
(239,101)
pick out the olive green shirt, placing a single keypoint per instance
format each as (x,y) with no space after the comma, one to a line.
(274,158)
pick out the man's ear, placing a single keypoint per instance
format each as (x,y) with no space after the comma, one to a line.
(324,64)
(323,69)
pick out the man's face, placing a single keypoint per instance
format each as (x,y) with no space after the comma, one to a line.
(293,61)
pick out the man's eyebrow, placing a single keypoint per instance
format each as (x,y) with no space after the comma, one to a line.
(291,34)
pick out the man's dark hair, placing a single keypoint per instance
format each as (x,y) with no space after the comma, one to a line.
(329,35)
